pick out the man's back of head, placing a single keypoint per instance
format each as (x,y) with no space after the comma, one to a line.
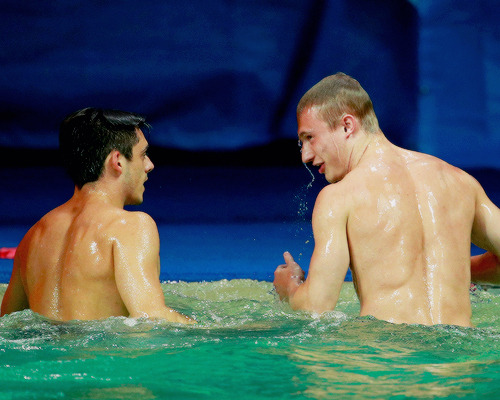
(87,136)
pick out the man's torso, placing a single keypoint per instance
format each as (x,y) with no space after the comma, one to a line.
(67,263)
(409,227)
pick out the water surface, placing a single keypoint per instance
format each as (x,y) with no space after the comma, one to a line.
(248,345)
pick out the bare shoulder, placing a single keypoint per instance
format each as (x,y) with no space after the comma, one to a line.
(333,200)
(456,177)
(332,192)
(423,160)
(137,217)
(135,229)
(434,166)
(133,220)
(50,220)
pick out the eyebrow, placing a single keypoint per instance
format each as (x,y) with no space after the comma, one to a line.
(303,133)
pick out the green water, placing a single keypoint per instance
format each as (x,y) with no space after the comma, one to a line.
(250,346)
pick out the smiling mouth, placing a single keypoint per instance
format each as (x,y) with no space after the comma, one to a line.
(321,169)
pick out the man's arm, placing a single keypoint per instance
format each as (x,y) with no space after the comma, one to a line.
(15,298)
(329,262)
(137,270)
(485,268)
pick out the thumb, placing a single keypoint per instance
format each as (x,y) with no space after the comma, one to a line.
(288,258)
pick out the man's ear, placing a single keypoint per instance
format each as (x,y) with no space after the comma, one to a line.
(114,162)
(350,124)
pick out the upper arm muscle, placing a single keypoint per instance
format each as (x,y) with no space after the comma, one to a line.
(330,258)
(485,230)
(136,258)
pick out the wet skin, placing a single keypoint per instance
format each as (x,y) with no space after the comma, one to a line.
(402,221)
(91,259)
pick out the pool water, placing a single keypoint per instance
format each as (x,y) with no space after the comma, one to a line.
(248,345)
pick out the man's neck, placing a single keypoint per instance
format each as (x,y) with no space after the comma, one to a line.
(98,192)
(363,147)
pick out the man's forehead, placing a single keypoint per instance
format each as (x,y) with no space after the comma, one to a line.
(140,135)
(307,116)
(142,142)
(311,110)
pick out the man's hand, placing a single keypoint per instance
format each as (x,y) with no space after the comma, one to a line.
(287,277)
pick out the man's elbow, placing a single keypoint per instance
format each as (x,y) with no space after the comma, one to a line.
(9,306)
(485,268)
(7,309)
(302,300)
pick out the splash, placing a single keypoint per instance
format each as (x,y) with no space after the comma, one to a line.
(309,185)
(301,196)
(241,324)
(303,222)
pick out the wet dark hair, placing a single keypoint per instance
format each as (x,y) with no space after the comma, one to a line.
(87,136)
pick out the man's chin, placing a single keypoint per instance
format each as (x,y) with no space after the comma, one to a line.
(134,202)
(330,179)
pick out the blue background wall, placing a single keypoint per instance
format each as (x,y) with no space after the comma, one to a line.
(219,81)
(209,75)
(226,75)
(459,80)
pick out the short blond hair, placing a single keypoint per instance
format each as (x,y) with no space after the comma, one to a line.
(337,95)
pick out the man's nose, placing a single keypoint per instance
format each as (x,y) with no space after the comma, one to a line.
(149,165)
(307,154)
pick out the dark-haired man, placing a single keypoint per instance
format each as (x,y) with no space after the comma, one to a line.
(89,258)
(403,221)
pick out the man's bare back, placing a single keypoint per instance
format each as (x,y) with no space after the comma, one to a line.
(409,221)
(403,221)
(67,261)
(89,258)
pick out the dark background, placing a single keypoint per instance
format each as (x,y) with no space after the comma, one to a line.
(211,76)
(219,82)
